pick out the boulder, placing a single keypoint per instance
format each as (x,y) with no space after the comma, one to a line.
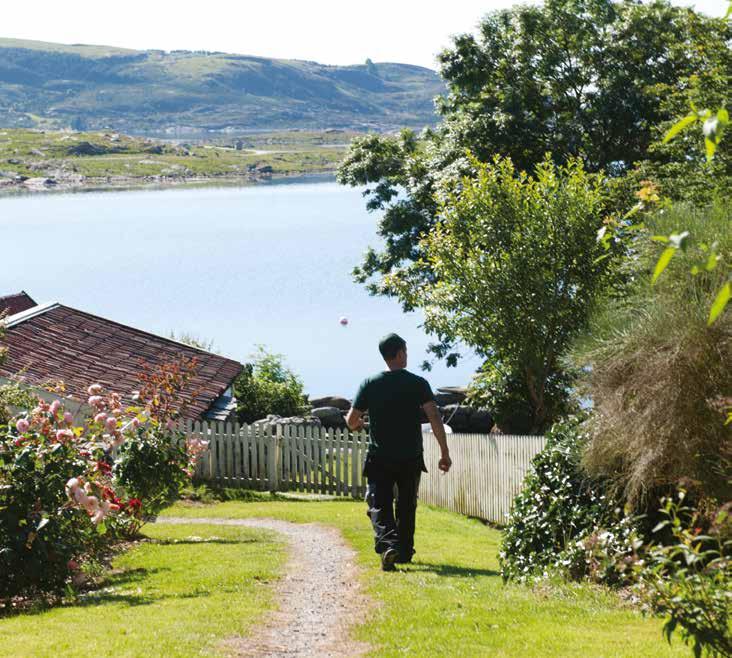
(299,421)
(330,417)
(332,401)
(466,419)
(40,182)
(445,399)
(86,148)
(452,394)
(456,417)
(481,421)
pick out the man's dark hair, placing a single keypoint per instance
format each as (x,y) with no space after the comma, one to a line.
(390,344)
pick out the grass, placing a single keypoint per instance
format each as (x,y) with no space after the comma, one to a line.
(189,587)
(34,153)
(177,594)
(452,601)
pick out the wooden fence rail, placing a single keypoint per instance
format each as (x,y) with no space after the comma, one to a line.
(487,469)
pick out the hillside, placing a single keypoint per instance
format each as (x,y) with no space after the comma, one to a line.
(50,85)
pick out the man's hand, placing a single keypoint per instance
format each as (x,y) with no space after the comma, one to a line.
(355,420)
(438,429)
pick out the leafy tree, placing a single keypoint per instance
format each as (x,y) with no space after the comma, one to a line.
(517,269)
(575,78)
(267,386)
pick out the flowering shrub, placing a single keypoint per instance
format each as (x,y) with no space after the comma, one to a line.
(65,490)
(689,577)
(563,521)
(53,499)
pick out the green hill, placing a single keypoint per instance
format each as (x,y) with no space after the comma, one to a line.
(99,87)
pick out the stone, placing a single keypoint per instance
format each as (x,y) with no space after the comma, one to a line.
(460,393)
(40,182)
(332,401)
(300,421)
(444,399)
(481,421)
(330,417)
(86,148)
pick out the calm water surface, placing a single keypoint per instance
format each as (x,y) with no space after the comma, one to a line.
(266,264)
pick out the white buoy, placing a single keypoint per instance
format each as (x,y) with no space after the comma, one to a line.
(344,321)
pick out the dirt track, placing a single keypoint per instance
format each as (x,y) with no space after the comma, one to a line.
(319,595)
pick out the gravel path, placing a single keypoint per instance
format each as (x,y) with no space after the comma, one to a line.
(319,596)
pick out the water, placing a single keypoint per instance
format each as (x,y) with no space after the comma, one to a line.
(267,264)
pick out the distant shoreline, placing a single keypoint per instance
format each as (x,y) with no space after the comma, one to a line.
(133,183)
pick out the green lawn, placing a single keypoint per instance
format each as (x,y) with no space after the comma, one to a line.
(178,594)
(452,602)
(189,587)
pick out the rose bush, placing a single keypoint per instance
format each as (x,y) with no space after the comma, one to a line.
(66,490)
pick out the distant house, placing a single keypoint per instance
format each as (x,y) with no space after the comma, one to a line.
(52,342)
(12,304)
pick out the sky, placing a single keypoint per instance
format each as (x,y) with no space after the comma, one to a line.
(326,31)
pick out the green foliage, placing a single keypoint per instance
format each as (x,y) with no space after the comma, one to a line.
(151,467)
(557,509)
(13,394)
(688,578)
(267,386)
(576,78)
(657,374)
(517,269)
(39,532)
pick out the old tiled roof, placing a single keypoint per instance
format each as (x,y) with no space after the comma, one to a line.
(54,342)
(12,304)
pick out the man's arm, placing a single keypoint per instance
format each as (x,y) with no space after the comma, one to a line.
(438,429)
(354,419)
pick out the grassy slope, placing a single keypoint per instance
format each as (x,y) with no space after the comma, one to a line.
(176,595)
(54,84)
(35,154)
(452,601)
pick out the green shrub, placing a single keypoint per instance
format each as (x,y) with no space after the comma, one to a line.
(151,467)
(39,532)
(688,577)
(66,490)
(657,374)
(562,520)
(267,386)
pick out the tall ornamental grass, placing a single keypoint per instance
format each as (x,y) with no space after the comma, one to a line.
(658,376)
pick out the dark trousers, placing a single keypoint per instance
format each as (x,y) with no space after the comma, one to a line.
(393,520)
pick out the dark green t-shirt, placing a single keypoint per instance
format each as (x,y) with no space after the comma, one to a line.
(393,400)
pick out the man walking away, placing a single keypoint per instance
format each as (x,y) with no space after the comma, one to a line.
(393,399)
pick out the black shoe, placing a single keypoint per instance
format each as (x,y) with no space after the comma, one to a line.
(388,559)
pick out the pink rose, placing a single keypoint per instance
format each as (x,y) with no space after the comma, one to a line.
(55,406)
(100,417)
(68,418)
(22,425)
(96,401)
(111,423)
(94,389)
(64,434)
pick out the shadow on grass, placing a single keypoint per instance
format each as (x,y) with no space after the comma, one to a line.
(449,570)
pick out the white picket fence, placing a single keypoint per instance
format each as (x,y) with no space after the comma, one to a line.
(487,472)
(486,475)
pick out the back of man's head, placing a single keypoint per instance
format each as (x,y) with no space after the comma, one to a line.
(390,345)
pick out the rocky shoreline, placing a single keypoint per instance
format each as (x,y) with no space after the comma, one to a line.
(19,184)
(330,412)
